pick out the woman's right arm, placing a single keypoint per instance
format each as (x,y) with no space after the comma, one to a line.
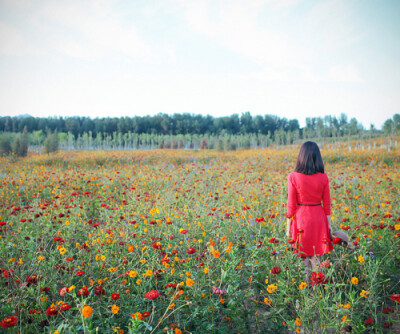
(291,204)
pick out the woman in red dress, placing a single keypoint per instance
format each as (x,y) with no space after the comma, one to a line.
(308,221)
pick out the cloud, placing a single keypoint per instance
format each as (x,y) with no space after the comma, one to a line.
(13,43)
(95,29)
(344,73)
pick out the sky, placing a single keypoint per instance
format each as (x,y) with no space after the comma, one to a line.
(290,58)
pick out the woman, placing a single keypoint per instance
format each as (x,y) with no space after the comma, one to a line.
(309,221)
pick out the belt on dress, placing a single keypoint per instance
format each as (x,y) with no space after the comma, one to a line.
(308,204)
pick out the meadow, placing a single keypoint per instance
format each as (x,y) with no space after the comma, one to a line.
(180,241)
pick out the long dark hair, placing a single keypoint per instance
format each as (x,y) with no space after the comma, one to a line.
(309,160)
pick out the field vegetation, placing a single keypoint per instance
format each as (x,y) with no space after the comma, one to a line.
(193,241)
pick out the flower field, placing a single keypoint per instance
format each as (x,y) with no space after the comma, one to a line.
(192,242)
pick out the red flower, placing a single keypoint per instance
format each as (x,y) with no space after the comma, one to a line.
(2,223)
(369,321)
(152,294)
(184,231)
(115,296)
(325,264)
(80,273)
(52,310)
(65,307)
(395,297)
(63,291)
(336,241)
(191,251)
(8,321)
(83,291)
(146,314)
(291,241)
(345,227)
(387,310)
(171,285)
(98,290)
(317,278)
(273,241)
(276,270)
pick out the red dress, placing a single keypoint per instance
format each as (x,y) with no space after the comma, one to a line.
(310,227)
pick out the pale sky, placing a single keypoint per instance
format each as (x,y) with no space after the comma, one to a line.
(291,58)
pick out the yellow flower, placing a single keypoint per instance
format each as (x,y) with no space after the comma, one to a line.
(298,330)
(205,270)
(132,273)
(272,288)
(43,299)
(189,282)
(267,301)
(148,273)
(172,306)
(397,227)
(303,285)
(354,280)
(40,258)
(56,332)
(103,258)
(138,281)
(63,250)
(347,306)
(344,318)
(364,293)
(72,287)
(361,259)
(266,281)
(115,309)
(297,322)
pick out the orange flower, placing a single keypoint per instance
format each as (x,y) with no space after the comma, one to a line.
(87,311)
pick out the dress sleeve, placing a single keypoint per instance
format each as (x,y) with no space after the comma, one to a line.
(292,198)
(326,198)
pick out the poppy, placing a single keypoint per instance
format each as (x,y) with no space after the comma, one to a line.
(317,278)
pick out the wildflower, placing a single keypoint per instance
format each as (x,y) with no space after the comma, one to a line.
(80,273)
(115,296)
(63,291)
(369,321)
(361,259)
(216,253)
(52,310)
(272,288)
(344,318)
(218,291)
(267,301)
(152,294)
(189,282)
(317,278)
(205,270)
(303,285)
(132,273)
(297,322)
(87,311)
(325,264)
(9,321)
(83,291)
(115,309)
(354,280)
(364,293)
(276,270)
(395,297)
(99,290)
(336,241)
(146,314)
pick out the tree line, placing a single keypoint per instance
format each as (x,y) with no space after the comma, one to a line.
(173,131)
